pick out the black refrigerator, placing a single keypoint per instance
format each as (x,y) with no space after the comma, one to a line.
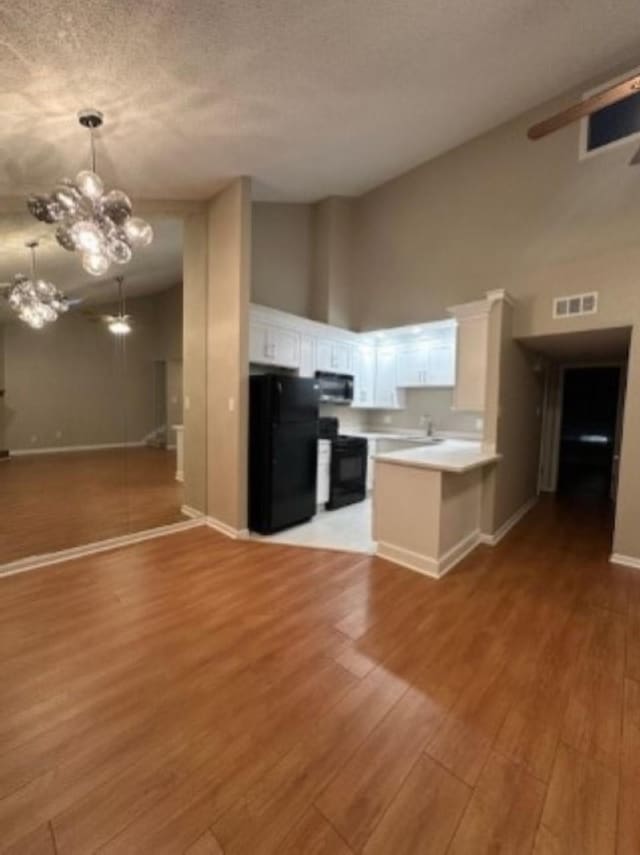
(283,451)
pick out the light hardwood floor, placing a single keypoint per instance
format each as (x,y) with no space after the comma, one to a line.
(197,695)
(51,502)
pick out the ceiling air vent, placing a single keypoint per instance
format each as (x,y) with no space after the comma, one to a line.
(575,305)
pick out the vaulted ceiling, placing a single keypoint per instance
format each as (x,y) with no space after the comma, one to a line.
(311,97)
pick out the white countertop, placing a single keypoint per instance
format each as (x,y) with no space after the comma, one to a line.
(452,455)
(413,436)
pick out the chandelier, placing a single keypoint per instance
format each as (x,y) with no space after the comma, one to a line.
(96,224)
(35,301)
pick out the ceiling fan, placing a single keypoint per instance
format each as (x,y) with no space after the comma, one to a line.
(119,324)
(605,98)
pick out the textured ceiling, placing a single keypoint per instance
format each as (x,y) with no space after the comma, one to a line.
(311,97)
(152,269)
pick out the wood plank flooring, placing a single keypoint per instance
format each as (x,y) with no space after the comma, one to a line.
(202,696)
(52,502)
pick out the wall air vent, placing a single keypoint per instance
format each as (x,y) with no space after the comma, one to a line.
(575,305)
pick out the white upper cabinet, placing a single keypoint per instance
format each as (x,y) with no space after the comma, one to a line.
(413,362)
(441,367)
(273,345)
(307,356)
(364,370)
(428,362)
(334,356)
(387,394)
(382,367)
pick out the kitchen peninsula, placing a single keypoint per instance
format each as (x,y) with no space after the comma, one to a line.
(427,503)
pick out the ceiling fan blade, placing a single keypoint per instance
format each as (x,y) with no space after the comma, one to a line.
(635,160)
(584,108)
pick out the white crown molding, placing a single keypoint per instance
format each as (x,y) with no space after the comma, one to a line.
(500,295)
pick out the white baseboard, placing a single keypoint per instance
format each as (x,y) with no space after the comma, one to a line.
(505,528)
(66,449)
(425,564)
(459,551)
(625,560)
(229,531)
(194,513)
(36,561)
(407,558)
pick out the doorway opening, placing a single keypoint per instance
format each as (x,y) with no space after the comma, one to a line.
(582,420)
(588,432)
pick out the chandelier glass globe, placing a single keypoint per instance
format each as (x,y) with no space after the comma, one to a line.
(36,301)
(97,225)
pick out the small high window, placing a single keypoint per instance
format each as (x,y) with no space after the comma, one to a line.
(614,123)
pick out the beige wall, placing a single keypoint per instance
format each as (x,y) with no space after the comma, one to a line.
(74,383)
(194,360)
(519,424)
(504,212)
(228,280)
(627,536)
(331,293)
(435,403)
(2,402)
(282,256)
(501,212)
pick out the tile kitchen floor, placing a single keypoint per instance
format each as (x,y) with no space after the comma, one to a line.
(347,529)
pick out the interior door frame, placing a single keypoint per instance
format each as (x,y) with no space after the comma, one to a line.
(552,411)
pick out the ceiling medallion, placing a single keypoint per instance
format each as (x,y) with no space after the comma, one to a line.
(96,224)
(35,301)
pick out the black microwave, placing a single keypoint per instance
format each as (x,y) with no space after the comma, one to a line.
(335,388)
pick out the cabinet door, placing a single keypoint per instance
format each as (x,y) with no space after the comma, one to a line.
(364,376)
(471,364)
(342,357)
(285,346)
(385,389)
(307,356)
(259,343)
(323,355)
(441,366)
(412,362)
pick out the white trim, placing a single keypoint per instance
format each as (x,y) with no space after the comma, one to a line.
(625,560)
(435,568)
(65,449)
(194,513)
(179,476)
(499,294)
(227,530)
(505,528)
(33,562)
(458,551)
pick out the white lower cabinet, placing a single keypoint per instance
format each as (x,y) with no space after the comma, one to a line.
(324,471)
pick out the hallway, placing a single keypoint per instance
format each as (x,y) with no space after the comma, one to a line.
(194,694)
